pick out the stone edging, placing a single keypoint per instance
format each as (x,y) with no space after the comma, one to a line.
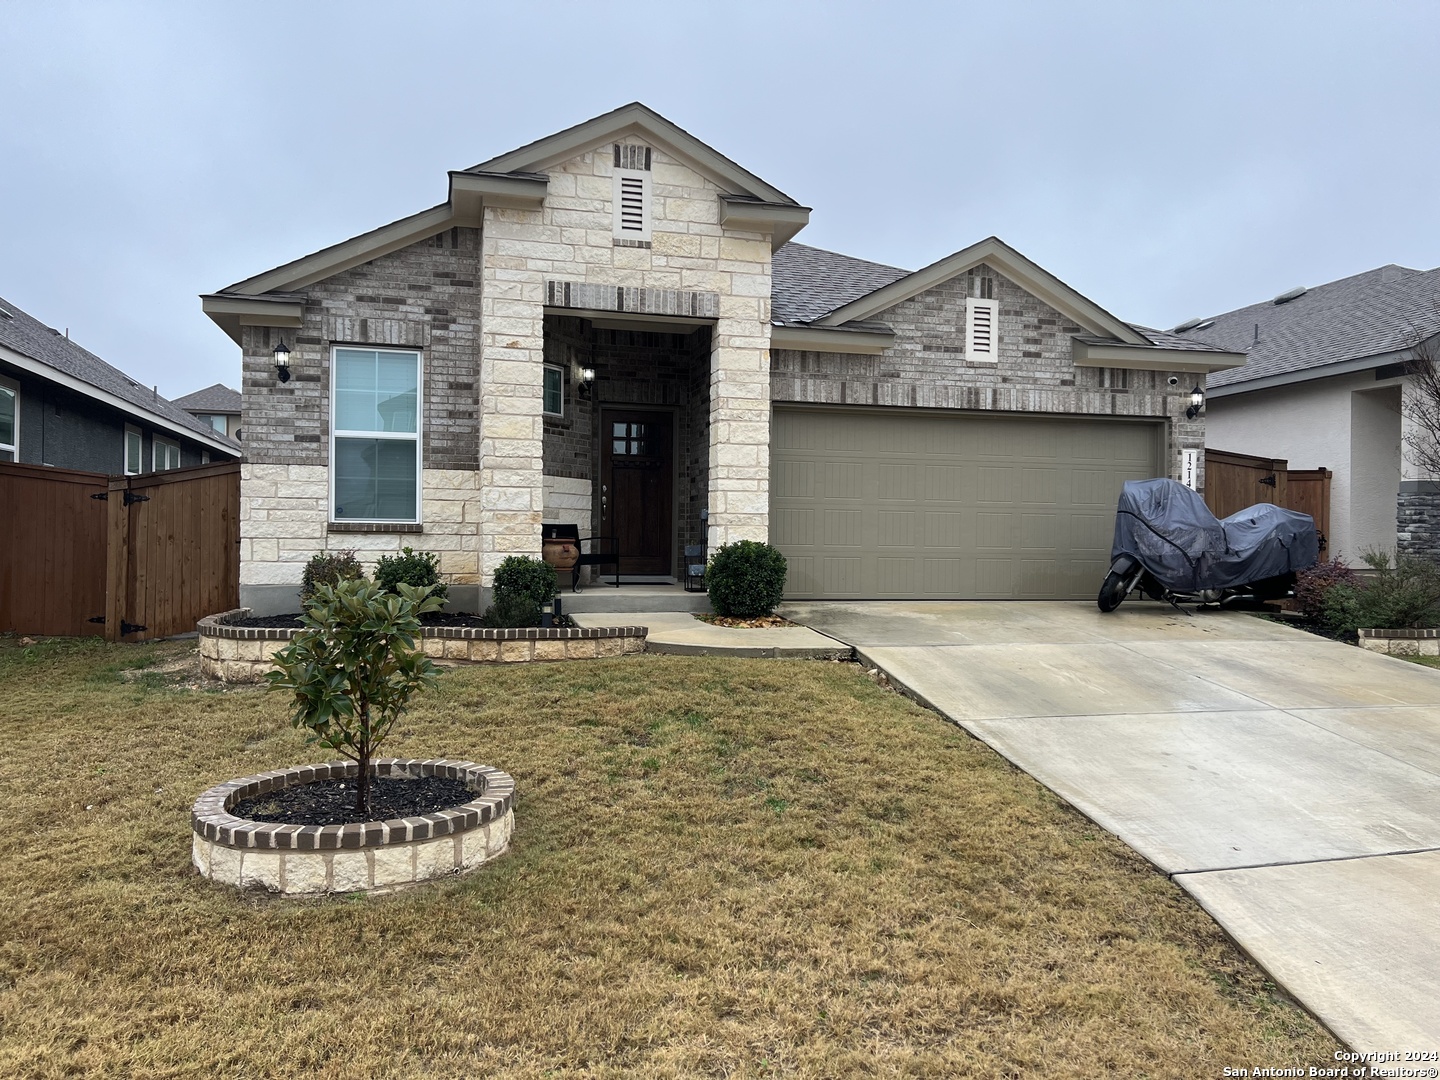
(244,653)
(299,860)
(1401,642)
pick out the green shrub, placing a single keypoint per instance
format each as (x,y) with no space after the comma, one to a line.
(522,584)
(1312,586)
(1398,594)
(745,579)
(420,569)
(329,568)
(354,667)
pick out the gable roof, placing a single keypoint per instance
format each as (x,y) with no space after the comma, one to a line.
(1369,315)
(213,399)
(28,343)
(994,252)
(541,154)
(808,282)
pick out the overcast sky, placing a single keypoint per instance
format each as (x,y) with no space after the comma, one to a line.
(1167,159)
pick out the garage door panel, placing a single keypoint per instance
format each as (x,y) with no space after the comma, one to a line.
(955,505)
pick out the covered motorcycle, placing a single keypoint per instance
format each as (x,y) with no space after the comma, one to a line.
(1165,534)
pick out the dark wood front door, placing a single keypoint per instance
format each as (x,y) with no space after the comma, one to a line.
(637,477)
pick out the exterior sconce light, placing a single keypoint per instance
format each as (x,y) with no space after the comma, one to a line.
(1197,404)
(587,381)
(282,361)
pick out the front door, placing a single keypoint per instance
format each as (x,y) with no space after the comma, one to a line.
(637,478)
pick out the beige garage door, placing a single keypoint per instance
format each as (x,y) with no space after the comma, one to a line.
(887,503)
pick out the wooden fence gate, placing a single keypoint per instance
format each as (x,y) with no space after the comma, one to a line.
(1235,481)
(134,557)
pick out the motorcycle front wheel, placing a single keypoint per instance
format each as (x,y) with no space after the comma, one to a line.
(1112,590)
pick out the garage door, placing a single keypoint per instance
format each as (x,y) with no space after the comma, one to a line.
(885,503)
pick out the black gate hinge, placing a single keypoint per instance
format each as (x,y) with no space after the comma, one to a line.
(1268,481)
(97,618)
(103,496)
(131,497)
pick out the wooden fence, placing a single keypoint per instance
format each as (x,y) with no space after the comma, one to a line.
(1235,481)
(132,557)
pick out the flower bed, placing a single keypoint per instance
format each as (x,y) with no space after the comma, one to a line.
(245,653)
(306,860)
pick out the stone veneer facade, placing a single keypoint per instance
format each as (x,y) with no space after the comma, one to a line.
(473,301)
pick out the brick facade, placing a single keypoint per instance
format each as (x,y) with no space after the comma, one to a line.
(1033,373)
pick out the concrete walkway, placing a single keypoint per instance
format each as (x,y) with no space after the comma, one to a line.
(680,632)
(1289,783)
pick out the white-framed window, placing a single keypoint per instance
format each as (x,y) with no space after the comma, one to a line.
(9,420)
(134,448)
(165,455)
(982,330)
(554,399)
(215,420)
(375,435)
(632,205)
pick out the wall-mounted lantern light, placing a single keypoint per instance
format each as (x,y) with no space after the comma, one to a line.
(282,361)
(1197,404)
(587,381)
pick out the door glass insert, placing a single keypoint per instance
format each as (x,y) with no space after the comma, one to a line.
(631,440)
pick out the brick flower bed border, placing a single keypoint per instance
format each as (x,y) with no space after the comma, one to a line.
(309,860)
(1401,642)
(243,653)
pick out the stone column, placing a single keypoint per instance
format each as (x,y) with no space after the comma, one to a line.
(740,398)
(512,355)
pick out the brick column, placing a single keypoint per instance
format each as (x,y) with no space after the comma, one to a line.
(740,407)
(512,320)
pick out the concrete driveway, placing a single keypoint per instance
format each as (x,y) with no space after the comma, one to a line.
(1289,783)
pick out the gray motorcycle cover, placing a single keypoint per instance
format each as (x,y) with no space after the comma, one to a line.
(1173,534)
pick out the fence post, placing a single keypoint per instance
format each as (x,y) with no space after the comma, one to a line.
(117,558)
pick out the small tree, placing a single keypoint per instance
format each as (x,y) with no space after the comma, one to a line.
(354,668)
(1420,399)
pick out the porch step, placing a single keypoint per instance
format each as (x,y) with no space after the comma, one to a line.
(607,598)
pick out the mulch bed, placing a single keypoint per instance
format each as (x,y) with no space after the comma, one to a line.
(332,802)
(764,622)
(292,621)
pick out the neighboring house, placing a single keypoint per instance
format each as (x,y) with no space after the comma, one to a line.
(609,327)
(218,406)
(63,406)
(1323,388)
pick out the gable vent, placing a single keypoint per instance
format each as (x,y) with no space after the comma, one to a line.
(632,207)
(981,330)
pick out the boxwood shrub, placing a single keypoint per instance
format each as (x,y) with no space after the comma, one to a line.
(522,584)
(745,579)
(418,568)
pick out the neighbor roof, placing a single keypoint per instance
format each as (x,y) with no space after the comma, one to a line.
(213,399)
(31,338)
(1372,314)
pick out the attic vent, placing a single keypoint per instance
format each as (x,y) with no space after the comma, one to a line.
(1293,294)
(632,206)
(632,157)
(981,331)
(1188,324)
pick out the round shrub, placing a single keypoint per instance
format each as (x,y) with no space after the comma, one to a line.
(410,567)
(522,584)
(1312,586)
(745,579)
(329,568)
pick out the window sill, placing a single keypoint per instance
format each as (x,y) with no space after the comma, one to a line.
(374,527)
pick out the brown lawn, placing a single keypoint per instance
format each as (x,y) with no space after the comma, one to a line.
(722,868)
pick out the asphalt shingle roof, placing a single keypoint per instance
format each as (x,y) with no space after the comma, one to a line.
(30,337)
(1369,314)
(808,282)
(1165,339)
(213,399)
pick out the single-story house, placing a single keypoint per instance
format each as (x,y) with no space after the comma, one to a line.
(613,327)
(1323,387)
(218,406)
(61,405)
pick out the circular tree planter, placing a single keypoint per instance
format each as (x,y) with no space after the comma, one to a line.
(374,856)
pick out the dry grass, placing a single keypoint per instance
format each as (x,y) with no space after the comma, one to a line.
(721,869)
